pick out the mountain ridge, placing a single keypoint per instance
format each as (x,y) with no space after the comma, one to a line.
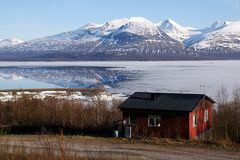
(134,38)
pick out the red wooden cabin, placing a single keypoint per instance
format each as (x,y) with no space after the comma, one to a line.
(169,115)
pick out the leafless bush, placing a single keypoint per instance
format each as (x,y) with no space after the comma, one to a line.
(226,118)
(61,114)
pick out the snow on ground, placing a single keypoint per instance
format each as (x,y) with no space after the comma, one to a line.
(64,95)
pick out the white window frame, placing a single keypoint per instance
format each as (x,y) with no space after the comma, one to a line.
(195,120)
(206,115)
(155,118)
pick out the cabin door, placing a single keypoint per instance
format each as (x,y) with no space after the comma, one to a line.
(128,130)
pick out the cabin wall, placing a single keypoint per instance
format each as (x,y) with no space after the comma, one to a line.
(202,126)
(173,124)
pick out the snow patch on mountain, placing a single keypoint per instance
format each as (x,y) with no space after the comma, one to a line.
(85,33)
(91,26)
(110,26)
(9,42)
(139,26)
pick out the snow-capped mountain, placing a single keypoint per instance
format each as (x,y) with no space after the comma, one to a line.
(133,38)
(224,41)
(139,39)
(227,35)
(108,27)
(187,35)
(198,35)
(213,41)
(139,26)
(123,39)
(86,33)
(8,42)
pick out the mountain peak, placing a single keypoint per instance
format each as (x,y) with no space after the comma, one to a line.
(139,26)
(215,24)
(114,24)
(170,24)
(174,30)
(139,20)
(169,20)
(91,26)
(11,41)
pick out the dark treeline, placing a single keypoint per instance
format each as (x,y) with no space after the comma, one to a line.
(51,115)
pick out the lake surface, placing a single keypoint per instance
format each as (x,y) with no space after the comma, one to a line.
(124,77)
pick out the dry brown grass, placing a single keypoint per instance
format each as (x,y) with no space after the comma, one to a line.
(60,147)
(51,148)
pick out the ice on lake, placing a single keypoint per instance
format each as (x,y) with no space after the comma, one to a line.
(130,76)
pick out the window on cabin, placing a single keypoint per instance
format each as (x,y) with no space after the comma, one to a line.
(154,120)
(133,119)
(205,115)
(194,120)
(157,121)
(151,121)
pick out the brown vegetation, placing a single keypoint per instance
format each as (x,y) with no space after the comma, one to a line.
(226,118)
(53,148)
(29,114)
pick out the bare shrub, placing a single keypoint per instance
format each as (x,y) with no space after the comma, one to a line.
(52,113)
(226,118)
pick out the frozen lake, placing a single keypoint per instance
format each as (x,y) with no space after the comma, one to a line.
(124,77)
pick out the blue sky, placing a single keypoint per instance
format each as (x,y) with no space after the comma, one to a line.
(29,19)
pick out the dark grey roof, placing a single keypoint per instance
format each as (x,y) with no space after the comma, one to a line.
(163,101)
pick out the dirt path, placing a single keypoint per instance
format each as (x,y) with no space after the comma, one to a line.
(95,147)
